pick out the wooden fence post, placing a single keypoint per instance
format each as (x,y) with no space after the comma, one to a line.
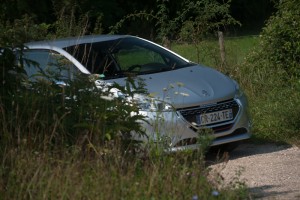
(222,49)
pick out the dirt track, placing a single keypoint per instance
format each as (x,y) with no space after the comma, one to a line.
(270,171)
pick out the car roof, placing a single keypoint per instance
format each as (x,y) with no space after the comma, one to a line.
(58,45)
(71,41)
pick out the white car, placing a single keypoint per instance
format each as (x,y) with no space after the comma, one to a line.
(184,97)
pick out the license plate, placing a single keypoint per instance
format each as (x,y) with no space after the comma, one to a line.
(214,117)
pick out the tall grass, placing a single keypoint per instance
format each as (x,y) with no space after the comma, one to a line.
(57,147)
(274,98)
(104,172)
(44,175)
(39,165)
(236,50)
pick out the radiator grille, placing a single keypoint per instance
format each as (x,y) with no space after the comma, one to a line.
(190,114)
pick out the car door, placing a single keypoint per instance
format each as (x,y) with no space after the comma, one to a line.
(43,64)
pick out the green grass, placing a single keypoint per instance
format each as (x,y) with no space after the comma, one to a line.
(236,50)
(39,162)
(72,175)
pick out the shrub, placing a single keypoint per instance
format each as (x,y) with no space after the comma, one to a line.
(41,114)
(271,76)
(281,38)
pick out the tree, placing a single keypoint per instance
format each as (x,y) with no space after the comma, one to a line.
(252,14)
(281,36)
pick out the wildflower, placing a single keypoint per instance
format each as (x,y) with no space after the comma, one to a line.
(184,94)
(152,95)
(215,193)
(179,84)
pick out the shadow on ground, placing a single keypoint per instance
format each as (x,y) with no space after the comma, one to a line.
(269,192)
(243,150)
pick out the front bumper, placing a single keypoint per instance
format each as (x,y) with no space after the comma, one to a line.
(175,133)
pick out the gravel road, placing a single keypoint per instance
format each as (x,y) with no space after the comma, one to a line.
(270,171)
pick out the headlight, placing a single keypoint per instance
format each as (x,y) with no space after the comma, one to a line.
(153,105)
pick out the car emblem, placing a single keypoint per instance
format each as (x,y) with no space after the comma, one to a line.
(205,93)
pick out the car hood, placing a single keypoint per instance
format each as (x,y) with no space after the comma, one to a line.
(190,86)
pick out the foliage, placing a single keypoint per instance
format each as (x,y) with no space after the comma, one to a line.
(68,25)
(69,22)
(164,25)
(43,114)
(208,18)
(193,20)
(19,31)
(69,175)
(281,36)
(271,77)
(274,99)
(250,13)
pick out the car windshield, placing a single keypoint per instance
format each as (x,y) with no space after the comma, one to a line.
(117,58)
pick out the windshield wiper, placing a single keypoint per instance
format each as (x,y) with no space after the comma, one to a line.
(118,75)
(186,65)
(164,69)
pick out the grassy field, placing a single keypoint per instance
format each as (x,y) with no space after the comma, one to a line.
(102,172)
(35,175)
(209,54)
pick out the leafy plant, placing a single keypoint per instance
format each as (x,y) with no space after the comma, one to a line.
(280,38)
(271,77)
(52,116)
(20,31)
(206,19)
(193,21)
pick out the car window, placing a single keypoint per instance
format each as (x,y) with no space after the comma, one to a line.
(45,64)
(115,58)
(142,57)
(128,58)
(95,57)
